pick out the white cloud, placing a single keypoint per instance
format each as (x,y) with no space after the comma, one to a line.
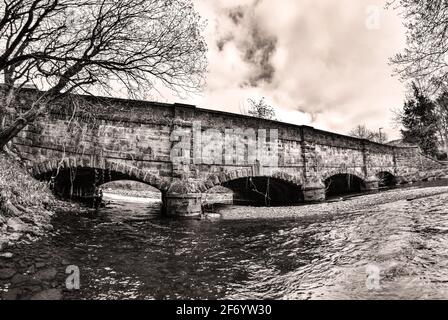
(329,69)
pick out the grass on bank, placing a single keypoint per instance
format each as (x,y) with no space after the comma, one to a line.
(24,202)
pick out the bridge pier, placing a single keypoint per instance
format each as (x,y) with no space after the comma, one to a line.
(183,200)
(314,192)
(372,184)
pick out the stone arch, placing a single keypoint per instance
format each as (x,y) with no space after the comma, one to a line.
(278,188)
(386,178)
(46,169)
(340,182)
(350,171)
(220,178)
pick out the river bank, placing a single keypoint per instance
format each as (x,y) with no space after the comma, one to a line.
(127,251)
(26,205)
(327,208)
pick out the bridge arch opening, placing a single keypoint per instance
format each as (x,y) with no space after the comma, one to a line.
(131,189)
(386,179)
(343,184)
(264,191)
(131,199)
(86,183)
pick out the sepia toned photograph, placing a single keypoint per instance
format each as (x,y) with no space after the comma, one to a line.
(227,150)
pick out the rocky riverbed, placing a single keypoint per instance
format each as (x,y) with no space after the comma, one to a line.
(35,252)
(127,251)
(38,275)
(36,269)
(327,208)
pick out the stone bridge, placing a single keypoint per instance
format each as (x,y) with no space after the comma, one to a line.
(185,151)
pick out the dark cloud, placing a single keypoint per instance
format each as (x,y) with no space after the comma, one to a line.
(256,47)
(258,51)
(236,14)
(223,40)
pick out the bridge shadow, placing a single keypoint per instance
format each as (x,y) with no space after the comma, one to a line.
(386,179)
(264,191)
(351,184)
(343,184)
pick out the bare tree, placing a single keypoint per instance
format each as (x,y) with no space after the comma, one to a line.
(259,109)
(64,46)
(362,132)
(425,58)
(380,137)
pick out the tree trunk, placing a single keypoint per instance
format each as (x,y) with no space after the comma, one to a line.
(10,131)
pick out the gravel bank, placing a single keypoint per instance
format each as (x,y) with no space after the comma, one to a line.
(327,208)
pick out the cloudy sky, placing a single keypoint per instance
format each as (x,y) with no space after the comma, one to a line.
(322,63)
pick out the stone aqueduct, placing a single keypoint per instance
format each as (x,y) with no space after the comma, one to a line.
(131,139)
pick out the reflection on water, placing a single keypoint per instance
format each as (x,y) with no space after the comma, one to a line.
(126,252)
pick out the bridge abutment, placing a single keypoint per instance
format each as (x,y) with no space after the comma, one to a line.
(187,205)
(314,192)
(183,200)
(372,184)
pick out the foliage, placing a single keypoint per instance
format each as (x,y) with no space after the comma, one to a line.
(19,187)
(23,200)
(63,46)
(425,58)
(362,132)
(424,63)
(260,109)
(419,121)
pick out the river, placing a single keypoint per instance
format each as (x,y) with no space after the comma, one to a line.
(126,251)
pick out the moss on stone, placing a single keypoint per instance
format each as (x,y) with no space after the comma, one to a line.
(183,187)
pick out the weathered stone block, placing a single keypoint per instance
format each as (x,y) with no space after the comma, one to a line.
(314,192)
(184,205)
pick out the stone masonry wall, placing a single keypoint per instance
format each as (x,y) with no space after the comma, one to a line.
(140,134)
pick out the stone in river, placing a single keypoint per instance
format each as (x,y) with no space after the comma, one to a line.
(46,274)
(12,294)
(7,273)
(50,294)
(21,279)
(15,224)
(6,255)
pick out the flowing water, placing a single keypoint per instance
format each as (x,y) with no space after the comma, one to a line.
(125,251)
